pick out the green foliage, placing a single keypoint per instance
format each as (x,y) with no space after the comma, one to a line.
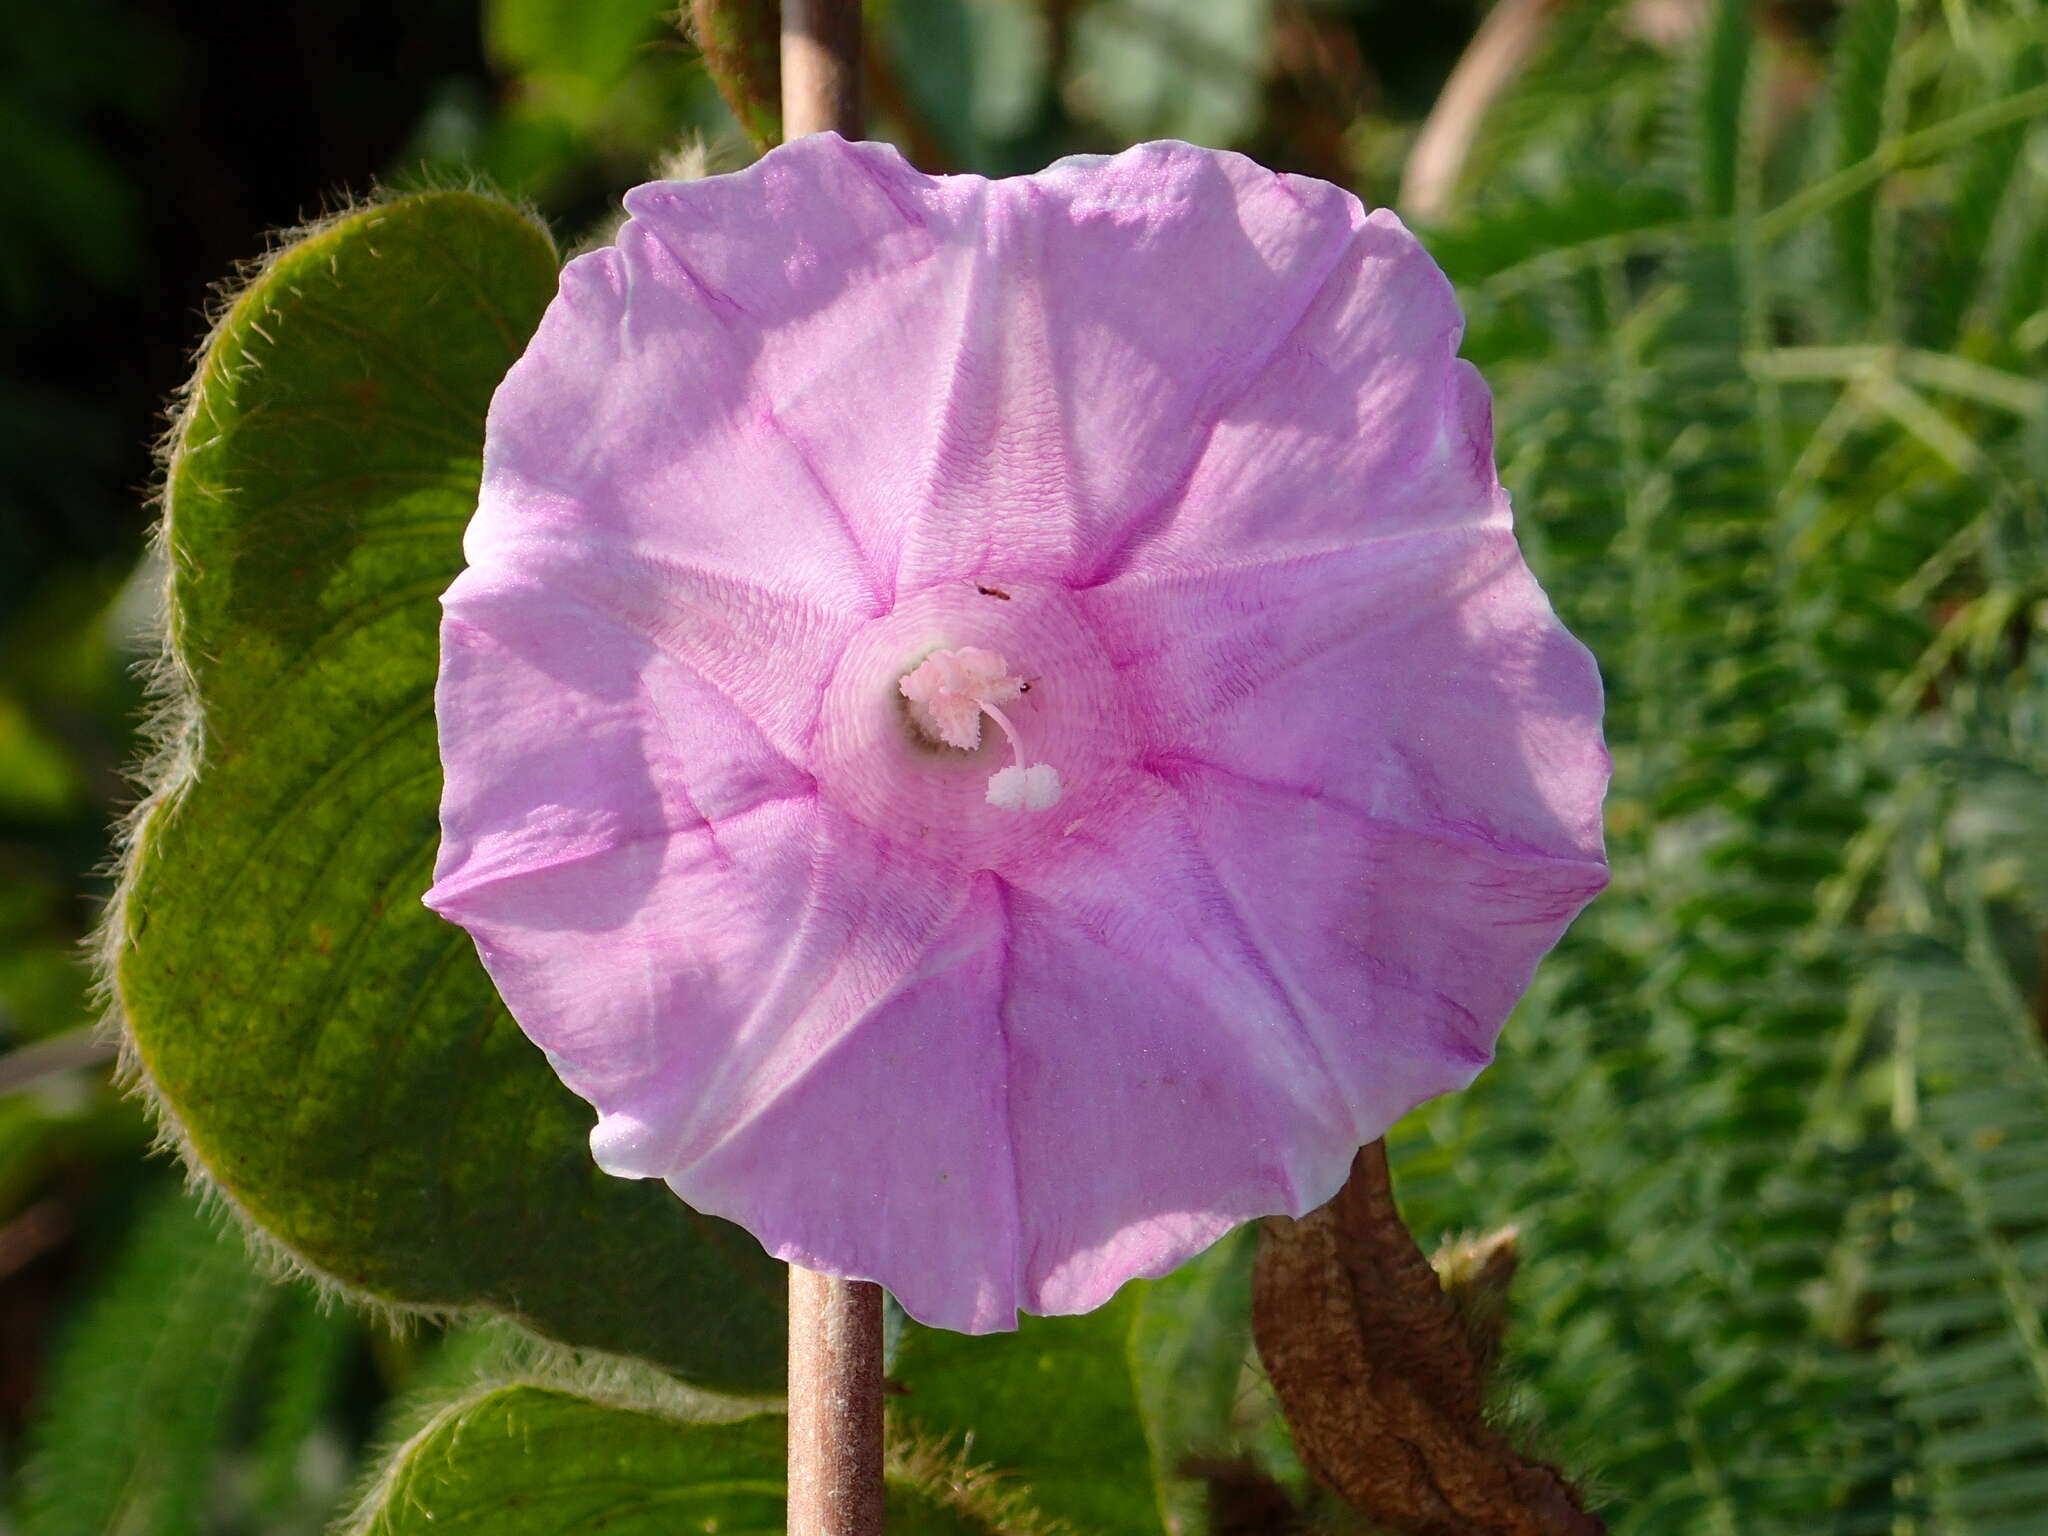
(144,1382)
(72,208)
(531,1461)
(980,70)
(1954,1252)
(522,1460)
(1191,1351)
(1968,248)
(1766,335)
(590,43)
(1862,101)
(307,1369)
(1074,1423)
(331,1054)
(1055,1404)
(62,695)
(1775,1120)
(592,91)
(1150,69)
(741,41)
(1211,1418)
(1723,95)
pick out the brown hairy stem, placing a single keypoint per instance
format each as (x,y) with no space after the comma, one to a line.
(835,1326)
(1382,1379)
(821,68)
(1498,50)
(835,1406)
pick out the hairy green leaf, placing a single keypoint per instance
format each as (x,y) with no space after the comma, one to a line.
(531,1461)
(136,1409)
(1055,1404)
(330,1053)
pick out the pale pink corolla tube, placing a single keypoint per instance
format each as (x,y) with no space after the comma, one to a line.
(998,729)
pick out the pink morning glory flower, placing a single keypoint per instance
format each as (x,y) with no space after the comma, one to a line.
(997,729)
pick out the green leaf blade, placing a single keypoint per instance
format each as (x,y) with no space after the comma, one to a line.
(1722,105)
(1863,66)
(331,1053)
(537,1461)
(140,1391)
(1055,1404)
(528,1461)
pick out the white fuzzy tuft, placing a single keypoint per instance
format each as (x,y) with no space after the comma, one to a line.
(1036,788)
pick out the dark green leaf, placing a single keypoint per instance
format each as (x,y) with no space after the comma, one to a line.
(1054,1404)
(329,1052)
(1722,103)
(135,1410)
(528,1461)
(1191,1345)
(1863,66)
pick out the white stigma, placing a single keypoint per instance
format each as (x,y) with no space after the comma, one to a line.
(949,692)
(1017,788)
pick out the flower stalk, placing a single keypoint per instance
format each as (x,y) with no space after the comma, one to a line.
(821,68)
(835,1405)
(835,1326)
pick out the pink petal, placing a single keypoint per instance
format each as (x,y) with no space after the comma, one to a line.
(660,898)
(1367,427)
(1285,632)
(891,1159)
(744,641)
(686,985)
(1162,1085)
(1403,947)
(1466,707)
(1115,311)
(998,306)
(553,732)
(665,401)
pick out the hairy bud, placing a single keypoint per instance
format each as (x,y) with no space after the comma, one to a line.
(1381,1381)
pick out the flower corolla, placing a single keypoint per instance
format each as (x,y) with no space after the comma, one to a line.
(997,729)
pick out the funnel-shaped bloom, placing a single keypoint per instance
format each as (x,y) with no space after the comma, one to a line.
(996,729)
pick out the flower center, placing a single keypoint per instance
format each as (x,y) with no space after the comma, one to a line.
(949,692)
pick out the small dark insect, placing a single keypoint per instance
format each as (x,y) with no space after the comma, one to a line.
(1023,687)
(992,592)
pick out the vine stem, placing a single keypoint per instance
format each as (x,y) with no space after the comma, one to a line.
(835,1326)
(835,1405)
(821,68)
(1498,50)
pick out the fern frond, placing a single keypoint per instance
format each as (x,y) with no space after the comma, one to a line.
(1753,1297)
(1721,106)
(1862,90)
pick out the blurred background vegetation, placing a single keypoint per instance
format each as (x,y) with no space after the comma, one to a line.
(1763,294)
